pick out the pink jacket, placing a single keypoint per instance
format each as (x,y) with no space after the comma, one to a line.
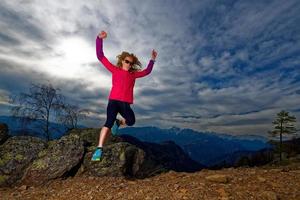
(122,81)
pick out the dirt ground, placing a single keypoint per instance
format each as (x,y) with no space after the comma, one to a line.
(230,183)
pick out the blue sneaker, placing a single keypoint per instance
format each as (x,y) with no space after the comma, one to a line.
(97,154)
(114,129)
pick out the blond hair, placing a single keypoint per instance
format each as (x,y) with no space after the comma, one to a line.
(136,66)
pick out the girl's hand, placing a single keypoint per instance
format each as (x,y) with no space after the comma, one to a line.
(154,54)
(102,34)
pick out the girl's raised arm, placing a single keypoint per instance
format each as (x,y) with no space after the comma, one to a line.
(100,55)
(149,67)
(146,71)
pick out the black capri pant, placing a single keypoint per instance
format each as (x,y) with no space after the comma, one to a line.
(114,107)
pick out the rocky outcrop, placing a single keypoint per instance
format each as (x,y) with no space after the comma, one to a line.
(129,157)
(31,161)
(119,159)
(15,156)
(3,133)
(58,160)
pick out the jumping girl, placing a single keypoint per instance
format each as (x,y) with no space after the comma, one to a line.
(121,94)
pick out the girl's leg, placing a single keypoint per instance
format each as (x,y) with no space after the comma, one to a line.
(127,113)
(111,112)
(104,133)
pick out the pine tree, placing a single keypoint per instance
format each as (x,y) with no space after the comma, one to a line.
(283,124)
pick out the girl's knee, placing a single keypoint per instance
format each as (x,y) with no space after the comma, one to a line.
(130,122)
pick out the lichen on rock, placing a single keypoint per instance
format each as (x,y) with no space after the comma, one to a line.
(56,161)
(15,156)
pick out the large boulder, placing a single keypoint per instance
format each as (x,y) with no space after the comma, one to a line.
(119,159)
(3,133)
(60,159)
(15,156)
(127,156)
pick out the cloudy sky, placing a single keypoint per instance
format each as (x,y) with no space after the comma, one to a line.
(224,66)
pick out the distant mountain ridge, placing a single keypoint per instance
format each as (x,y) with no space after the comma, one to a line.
(204,147)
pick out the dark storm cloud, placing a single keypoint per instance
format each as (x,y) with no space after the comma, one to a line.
(5,39)
(19,23)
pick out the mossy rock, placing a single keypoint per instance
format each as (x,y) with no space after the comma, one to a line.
(113,163)
(16,154)
(39,164)
(59,159)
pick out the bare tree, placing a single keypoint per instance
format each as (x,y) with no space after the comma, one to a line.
(283,124)
(69,115)
(39,105)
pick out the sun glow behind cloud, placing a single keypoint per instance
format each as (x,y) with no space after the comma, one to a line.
(71,54)
(72,59)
